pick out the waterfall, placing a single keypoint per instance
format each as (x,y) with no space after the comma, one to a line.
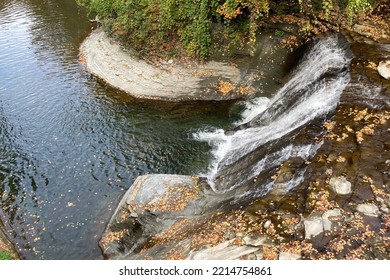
(260,139)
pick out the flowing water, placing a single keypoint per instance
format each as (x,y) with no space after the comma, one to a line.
(69,147)
(261,140)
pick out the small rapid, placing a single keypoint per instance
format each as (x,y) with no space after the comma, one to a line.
(256,144)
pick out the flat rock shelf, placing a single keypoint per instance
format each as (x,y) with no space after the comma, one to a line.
(110,62)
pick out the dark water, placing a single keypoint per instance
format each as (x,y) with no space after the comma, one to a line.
(69,147)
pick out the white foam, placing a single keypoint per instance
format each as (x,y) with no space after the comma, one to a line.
(322,98)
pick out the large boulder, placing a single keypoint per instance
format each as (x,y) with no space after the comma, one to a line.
(151,205)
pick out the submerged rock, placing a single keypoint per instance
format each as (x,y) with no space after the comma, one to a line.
(384,69)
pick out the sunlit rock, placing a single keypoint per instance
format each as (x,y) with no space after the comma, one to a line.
(151,205)
(384,69)
(340,185)
(223,251)
(368,209)
(329,216)
(313,226)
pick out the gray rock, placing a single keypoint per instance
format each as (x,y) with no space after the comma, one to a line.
(385,209)
(368,209)
(107,60)
(259,255)
(328,216)
(223,251)
(151,205)
(384,69)
(250,257)
(313,226)
(161,193)
(340,185)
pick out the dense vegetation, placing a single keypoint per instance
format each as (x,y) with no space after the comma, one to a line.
(163,25)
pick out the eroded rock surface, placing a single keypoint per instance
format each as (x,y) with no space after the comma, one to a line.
(152,204)
(107,60)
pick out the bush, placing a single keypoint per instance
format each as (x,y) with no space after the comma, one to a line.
(173,26)
(150,25)
(5,255)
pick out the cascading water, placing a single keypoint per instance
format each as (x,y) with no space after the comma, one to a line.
(261,140)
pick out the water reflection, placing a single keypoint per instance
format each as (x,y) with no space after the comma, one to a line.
(69,146)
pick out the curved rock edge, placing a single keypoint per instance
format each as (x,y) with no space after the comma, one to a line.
(168,81)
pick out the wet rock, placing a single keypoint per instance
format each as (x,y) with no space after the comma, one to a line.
(313,226)
(288,256)
(368,209)
(340,185)
(223,251)
(384,69)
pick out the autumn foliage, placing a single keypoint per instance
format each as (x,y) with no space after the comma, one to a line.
(187,27)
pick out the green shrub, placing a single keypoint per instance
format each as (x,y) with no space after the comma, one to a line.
(4,255)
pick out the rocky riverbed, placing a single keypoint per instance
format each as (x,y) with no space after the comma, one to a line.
(339,211)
